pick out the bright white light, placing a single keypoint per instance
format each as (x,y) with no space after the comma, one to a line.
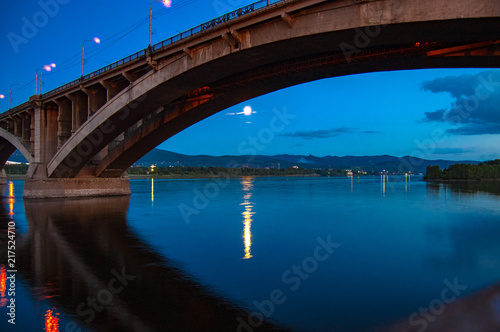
(2,96)
(49,67)
(167,3)
(97,40)
(247,111)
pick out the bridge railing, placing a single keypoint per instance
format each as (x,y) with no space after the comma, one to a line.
(262,4)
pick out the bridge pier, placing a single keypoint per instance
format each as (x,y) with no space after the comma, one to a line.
(3,177)
(51,126)
(77,187)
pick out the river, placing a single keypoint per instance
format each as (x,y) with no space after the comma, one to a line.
(374,253)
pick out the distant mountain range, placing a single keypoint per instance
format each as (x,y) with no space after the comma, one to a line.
(162,158)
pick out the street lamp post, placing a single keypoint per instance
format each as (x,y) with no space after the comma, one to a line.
(47,68)
(166,3)
(10,93)
(96,40)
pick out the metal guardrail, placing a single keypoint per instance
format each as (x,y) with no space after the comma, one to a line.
(256,6)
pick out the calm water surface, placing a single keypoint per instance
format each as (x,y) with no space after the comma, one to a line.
(305,253)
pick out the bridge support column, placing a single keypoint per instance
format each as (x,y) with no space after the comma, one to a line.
(26,138)
(18,126)
(3,177)
(97,97)
(63,121)
(80,110)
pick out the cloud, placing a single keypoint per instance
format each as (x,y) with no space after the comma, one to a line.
(476,106)
(240,113)
(477,129)
(434,116)
(324,133)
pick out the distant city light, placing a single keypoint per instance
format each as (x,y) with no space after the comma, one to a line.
(247,111)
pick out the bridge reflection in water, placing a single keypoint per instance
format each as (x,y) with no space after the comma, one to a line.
(82,256)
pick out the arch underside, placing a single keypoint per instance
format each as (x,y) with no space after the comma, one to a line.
(179,102)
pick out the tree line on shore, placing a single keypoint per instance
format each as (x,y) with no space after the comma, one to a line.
(489,170)
(223,171)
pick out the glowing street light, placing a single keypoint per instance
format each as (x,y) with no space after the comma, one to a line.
(167,4)
(95,40)
(47,68)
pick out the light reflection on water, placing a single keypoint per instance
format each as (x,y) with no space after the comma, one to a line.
(247,183)
(398,245)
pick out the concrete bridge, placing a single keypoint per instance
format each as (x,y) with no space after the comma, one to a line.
(82,137)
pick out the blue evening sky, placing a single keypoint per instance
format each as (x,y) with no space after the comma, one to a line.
(397,113)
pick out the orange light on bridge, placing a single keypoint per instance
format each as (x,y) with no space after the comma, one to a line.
(3,286)
(51,321)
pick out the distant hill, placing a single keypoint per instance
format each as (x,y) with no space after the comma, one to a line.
(164,158)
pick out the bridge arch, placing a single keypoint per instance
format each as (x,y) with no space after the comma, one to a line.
(300,42)
(9,144)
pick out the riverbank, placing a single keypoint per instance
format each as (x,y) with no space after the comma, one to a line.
(178,176)
(16,176)
(212,176)
(460,180)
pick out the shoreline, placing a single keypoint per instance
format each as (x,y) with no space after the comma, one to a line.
(460,180)
(180,177)
(210,176)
